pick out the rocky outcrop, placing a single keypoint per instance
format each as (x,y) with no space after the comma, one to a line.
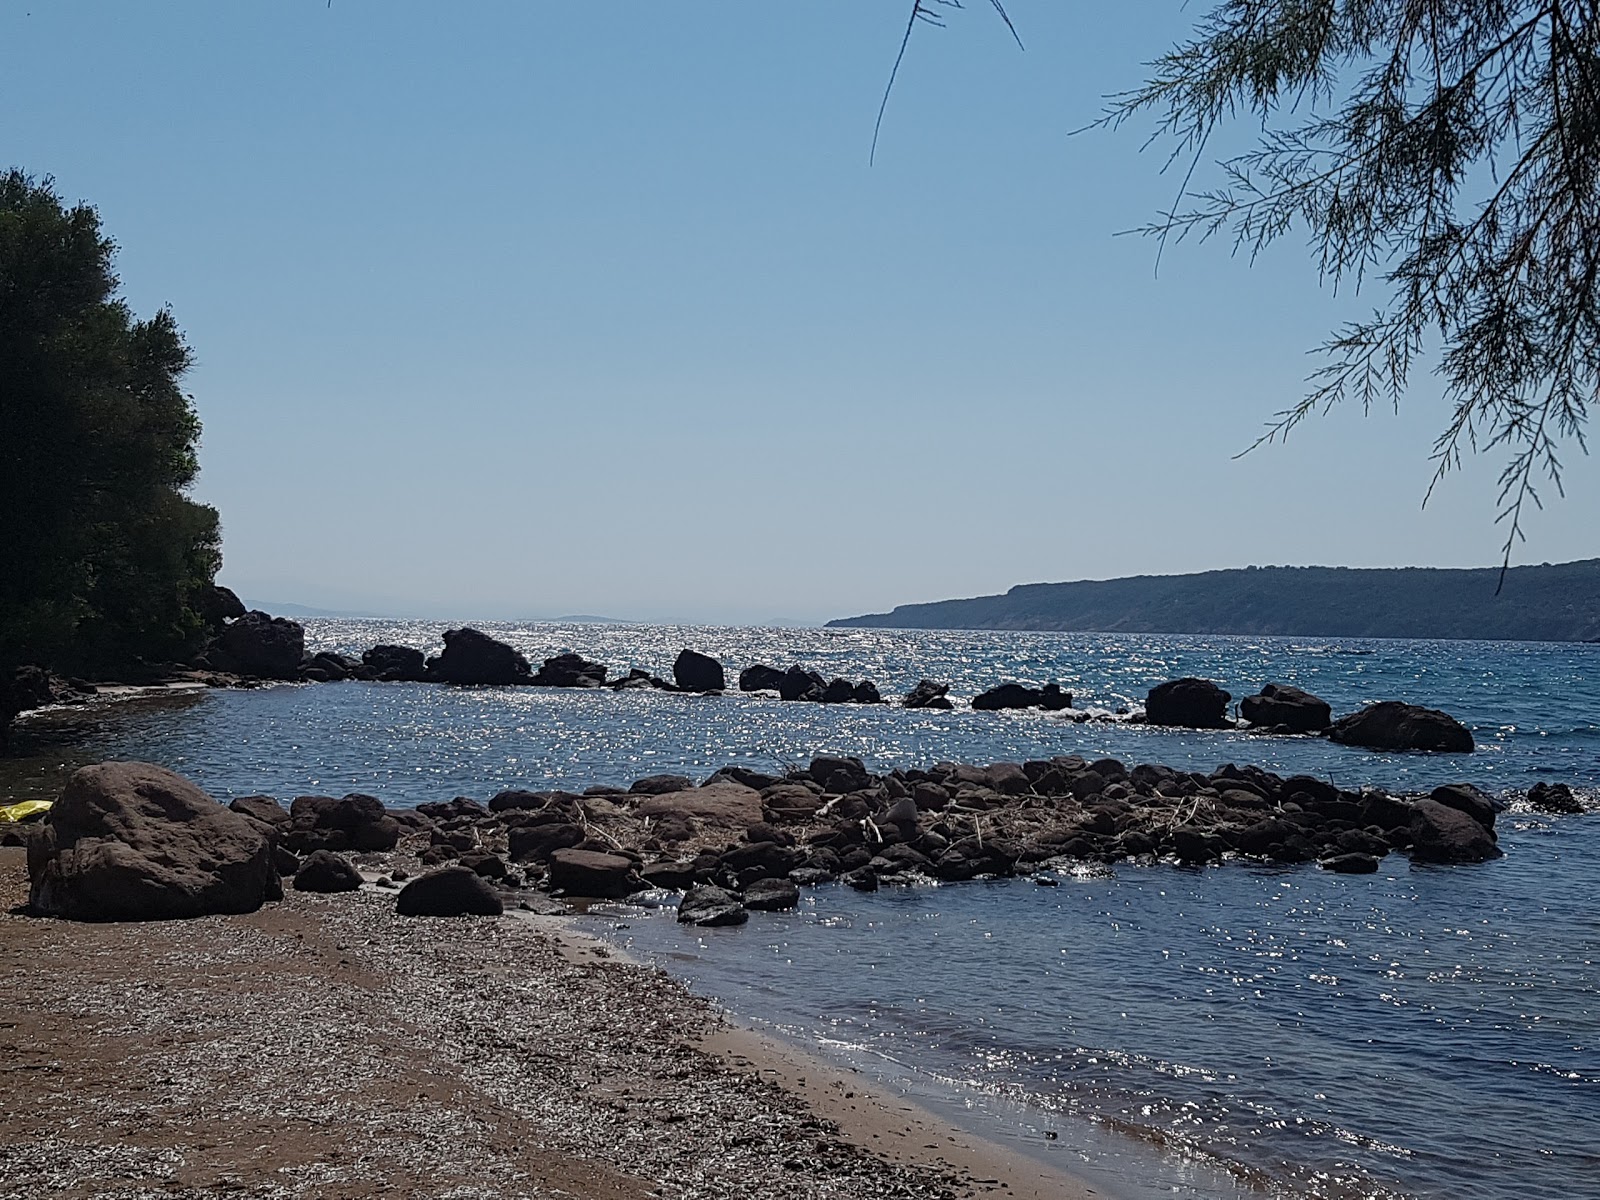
(257,644)
(449,892)
(218,605)
(1286,708)
(1050,697)
(1188,703)
(696,672)
(1468,799)
(570,670)
(473,657)
(760,678)
(928,694)
(130,841)
(397,664)
(325,871)
(1391,725)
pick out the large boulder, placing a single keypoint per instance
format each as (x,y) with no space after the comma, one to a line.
(396,663)
(449,892)
(471,656)
(1468,799)
(257,644)
(217,605)
(592,873)
(799,684)
(1283,706)
(1392,725)
(695,672)
(1440,834)
(723,803)
(760,678)
(570,670)
(928,694)
(1188,703)
(1006,695)
(130,841)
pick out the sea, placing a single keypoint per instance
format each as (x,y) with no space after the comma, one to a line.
(1234,1031)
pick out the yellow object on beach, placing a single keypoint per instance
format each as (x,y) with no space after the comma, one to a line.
(25,810)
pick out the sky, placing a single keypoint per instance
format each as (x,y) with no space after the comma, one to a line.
(531,308)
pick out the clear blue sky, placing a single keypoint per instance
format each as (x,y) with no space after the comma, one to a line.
(532,308)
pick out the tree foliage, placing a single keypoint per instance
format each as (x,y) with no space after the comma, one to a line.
(103,554)
(1447,151)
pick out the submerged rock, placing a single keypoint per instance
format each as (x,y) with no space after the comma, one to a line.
(130,841)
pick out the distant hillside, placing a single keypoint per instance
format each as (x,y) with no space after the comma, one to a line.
(1559,603)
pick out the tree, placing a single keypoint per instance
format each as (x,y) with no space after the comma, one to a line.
(1448,150)
(105,557)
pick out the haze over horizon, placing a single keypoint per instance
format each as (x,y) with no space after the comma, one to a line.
(545,309)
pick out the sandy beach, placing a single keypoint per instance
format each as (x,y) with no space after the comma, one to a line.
(325,1047)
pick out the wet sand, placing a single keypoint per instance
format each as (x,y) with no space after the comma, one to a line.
(325,1047)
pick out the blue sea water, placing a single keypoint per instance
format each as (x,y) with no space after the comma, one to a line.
(1240,1030)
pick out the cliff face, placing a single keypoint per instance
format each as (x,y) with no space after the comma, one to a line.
(1545,603)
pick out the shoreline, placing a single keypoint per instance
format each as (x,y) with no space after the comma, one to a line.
(324,1047)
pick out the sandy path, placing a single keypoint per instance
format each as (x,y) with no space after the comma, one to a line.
(326,1048)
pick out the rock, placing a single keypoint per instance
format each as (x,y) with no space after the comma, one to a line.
(1350,864)
(707,904)
(730,805)
(401,664)
(771,895)
(591,873)
(798,684)
(325,871)
(1188,703)
(866,692)
(490,866)
(329,667)
(473,657)
(695,672)
(217,605)
(353,822)
(570,670)
(129,841)
(836,774)
(672,876)
(1053,699)
(1392,725)
(862,879)
(262,808)
(1468,799)
(1007,695)
(1447,835)
(928,694)
(1553,798)
(657,785)
(760,678)
(536,843)
(1281,705)
(449,892)
(257,644)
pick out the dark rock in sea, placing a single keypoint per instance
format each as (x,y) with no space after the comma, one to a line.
(1553,798)
(866,692)
(799,684)
(1392,725)
(707,904)
(262,808)
(1188,703)
(760,678)
(771,895)
(1052,698)
(1447,835)
(256,644)
(397,664)
(326,666)
(129,841)
(353,822)
(449,892)
(570,670)
(1350,864)
(473,657)
(695,672)
(1006,695)
(592,873)
(325,871)
(217,604)
(839,691)
(1468,799)
(928,694)
(1290,708)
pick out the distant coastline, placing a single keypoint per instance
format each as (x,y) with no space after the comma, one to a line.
(1555,603)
